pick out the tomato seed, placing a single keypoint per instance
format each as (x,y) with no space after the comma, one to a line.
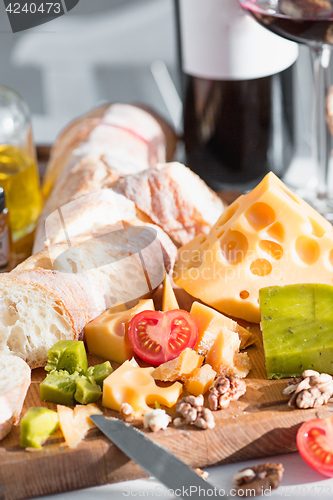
(314,433)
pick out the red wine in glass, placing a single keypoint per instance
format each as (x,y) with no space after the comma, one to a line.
(309,22)
(298,20)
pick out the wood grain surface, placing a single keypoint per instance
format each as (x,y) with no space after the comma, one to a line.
(258,425)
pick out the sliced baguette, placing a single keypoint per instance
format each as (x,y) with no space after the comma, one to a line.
(98,149)
(15,376)
(141,127)
(174,198)
(91,213)
(56,292)
(38,307)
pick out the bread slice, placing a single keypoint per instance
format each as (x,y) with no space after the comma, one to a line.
(56,292)
(174,198)
(87,214)
(38,307)
(15,376)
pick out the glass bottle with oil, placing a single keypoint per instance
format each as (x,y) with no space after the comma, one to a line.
(18,166)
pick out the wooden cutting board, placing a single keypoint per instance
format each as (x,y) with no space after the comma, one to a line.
(258,425)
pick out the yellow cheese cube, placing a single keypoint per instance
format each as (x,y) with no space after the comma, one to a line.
(107,336)
(75,424)
(179,368)
(224,357)
(210,323)
(169,298)
(267,237)
(200,380)
(136,386)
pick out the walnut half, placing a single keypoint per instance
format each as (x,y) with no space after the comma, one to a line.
(313,390)
(224,390)
(193,412)
(255,480)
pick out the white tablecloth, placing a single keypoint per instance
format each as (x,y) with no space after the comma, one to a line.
(299,480)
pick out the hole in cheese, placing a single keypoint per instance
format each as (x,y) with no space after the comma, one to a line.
(220,234)
(260,215)
(234,246)
(273,249)
(317,229)
(261,267)
(307,249)
(277,232)
(226,216)
(244,294)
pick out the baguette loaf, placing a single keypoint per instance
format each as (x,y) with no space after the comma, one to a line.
(174,198)
(98,149)
(15,377)
(56,292)
(155,139)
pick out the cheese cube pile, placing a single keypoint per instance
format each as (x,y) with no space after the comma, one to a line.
(267,237)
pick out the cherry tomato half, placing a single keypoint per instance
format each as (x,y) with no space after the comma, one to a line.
(157,337)
(315,444)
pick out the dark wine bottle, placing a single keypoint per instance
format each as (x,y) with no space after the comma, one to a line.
(237,94)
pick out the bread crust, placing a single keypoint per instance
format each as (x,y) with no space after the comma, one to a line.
(18,377)
(161,196)
(79,131)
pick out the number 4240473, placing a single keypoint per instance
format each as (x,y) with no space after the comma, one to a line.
(32,8)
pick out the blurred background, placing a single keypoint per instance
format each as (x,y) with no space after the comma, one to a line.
(102,50)
(111,50)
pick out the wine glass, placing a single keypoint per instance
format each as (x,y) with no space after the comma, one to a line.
(308,22)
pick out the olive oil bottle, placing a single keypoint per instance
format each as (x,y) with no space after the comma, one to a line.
(18,168)
(19,179)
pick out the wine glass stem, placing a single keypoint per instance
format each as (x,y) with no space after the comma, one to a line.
(321,58)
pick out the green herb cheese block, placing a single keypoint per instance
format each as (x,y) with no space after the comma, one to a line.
(86,391)
(297,328)
(36,426)
(69,355)
(59,387)
(98,373)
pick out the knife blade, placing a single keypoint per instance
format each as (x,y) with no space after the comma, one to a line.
(154,459)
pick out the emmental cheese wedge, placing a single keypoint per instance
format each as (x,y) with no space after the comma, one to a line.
(136,386)
(107,335)
(267,237)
